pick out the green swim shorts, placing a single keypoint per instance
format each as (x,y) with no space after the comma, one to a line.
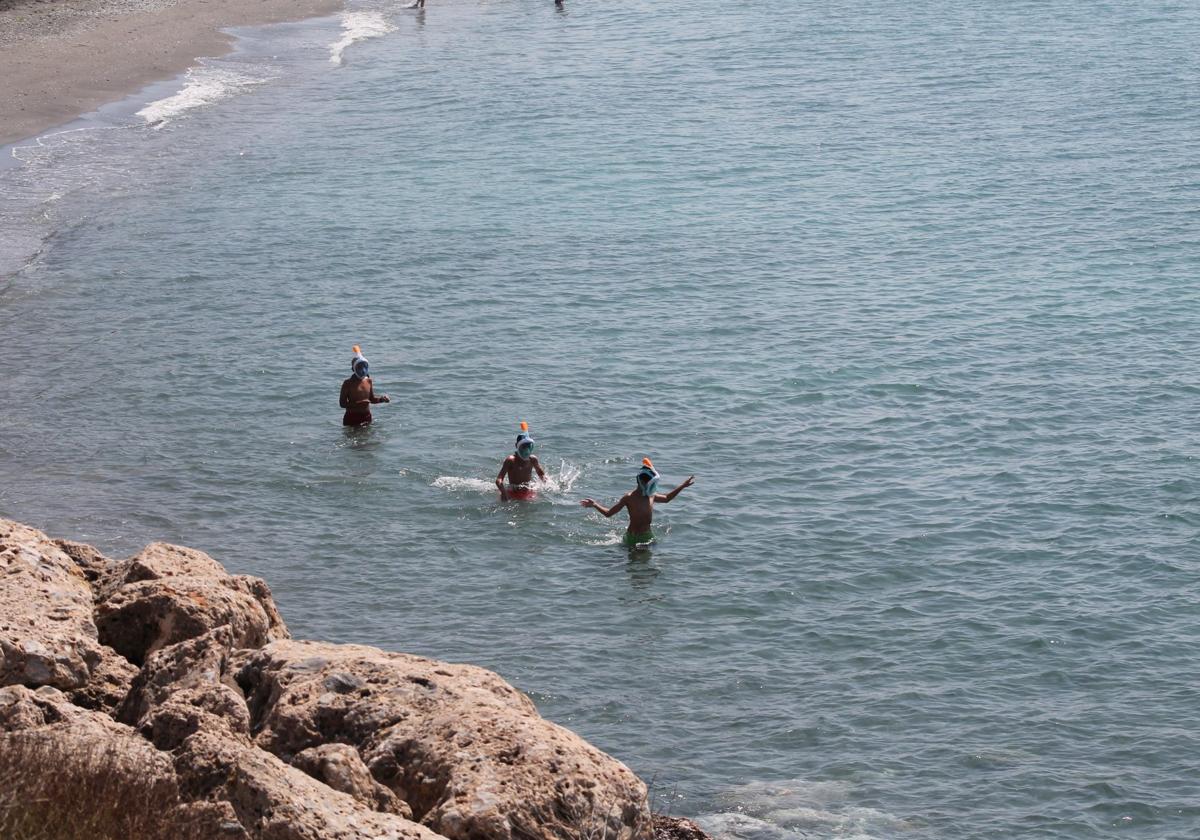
(631,539)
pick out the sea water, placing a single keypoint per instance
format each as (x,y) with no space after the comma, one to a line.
(910,288)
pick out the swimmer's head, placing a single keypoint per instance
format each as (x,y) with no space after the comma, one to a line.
(524,442)
(359,363)
(647,478)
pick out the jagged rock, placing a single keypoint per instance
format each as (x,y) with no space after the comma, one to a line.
(48,710)
(341,767)
(87,559)
(209,820)
(168,594)
(190,711)
(162,560)
(47,635)
(198,663)
(467,752)
(677,828)
(215,820)
(75,771)
(276,802)
(184,688)
(108,684)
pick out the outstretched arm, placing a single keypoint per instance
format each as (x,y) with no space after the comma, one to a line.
(666,497)
(605,511)
(537,465)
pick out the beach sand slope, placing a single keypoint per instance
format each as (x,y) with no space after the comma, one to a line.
(60,59)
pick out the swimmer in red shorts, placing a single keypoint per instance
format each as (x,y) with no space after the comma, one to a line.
(358,394)
(518,468)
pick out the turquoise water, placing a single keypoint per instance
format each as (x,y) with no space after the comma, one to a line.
(910,291)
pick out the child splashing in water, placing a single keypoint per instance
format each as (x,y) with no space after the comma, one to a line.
(639,503)
(519,468)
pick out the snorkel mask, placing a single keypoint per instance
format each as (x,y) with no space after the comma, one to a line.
(524,442)
(647,478)
(359,364)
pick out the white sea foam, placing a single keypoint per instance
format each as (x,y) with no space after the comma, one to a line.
(567,475)
(205,85)
(800,809)
(358,26)
(474,485)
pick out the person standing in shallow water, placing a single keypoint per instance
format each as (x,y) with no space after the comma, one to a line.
(639,503)
(358,393)
(518,468)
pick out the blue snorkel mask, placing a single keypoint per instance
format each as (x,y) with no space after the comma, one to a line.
(647,478)
(524,447)
(524,442)
(358,360)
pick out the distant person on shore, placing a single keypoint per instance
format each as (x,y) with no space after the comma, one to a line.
(518,468)
(358,393)
(639,503)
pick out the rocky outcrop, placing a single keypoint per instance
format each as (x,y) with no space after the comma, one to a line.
(341,767)
(107,684)
(90,562)
(168,594)
(274,801)
(467,752)
(48,715)
(195,711)
(677,828)
(47,634)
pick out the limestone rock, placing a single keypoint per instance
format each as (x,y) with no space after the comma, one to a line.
(677,828)
(47,710)
(190,711)
(163,560)
(276,802)
(198,663)
(168,594)
(87,559)
(73,772)
(47,635)
(341,767)
(108,683)
(184,688)
(467,752)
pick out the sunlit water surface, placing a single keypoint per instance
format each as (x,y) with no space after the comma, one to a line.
(910,290)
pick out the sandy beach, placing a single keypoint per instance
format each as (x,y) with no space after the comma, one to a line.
(63,58)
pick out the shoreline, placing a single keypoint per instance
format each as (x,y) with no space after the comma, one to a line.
(63,59)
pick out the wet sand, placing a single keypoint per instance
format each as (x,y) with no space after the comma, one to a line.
(63,58)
